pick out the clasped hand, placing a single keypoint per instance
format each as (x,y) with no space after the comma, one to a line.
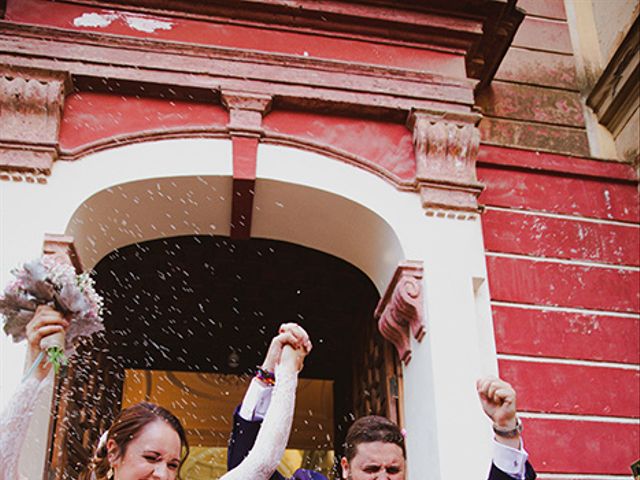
(289,347)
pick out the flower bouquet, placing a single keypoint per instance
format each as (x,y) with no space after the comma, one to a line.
(49,280)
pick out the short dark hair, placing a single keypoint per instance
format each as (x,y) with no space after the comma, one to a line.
(372,428)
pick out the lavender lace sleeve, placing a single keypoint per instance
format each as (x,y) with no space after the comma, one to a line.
(14,423)
(264,457)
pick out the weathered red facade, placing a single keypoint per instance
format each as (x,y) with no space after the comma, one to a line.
(561,231)
(385,86)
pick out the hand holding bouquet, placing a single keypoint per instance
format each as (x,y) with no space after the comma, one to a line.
(51,281)
(46,324)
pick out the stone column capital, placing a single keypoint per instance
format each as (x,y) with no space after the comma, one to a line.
(31,103)
(246,110)
(446,147)
(233,99)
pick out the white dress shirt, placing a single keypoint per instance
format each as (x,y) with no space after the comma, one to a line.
(258,397)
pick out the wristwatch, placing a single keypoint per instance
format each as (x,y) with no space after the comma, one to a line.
(512,433)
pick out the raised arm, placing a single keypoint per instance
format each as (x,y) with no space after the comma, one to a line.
(498,399)
(15,417)
(247,418)
(264,457)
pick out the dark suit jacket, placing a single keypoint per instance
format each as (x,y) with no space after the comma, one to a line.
(244,435)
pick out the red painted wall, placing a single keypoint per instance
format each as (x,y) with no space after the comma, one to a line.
(93,120)
(562,258)
(563,249)
(388,148)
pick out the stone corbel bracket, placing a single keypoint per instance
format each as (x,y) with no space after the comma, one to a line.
(245,128)
(400,312)
(446,148)
(62,246)
(31,103)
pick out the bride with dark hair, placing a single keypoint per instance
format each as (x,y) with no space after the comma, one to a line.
(146,440)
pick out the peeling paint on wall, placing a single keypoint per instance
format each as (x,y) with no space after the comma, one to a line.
(95,20)
(146,24)
(142,23)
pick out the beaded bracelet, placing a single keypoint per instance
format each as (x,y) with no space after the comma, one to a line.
(266,377)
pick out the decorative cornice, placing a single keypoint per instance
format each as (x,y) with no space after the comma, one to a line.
(446,148)
(499,27)
(31,104)
(400,311)
(30,163)
(297,81)
(443,23)
(62,246)
(451,214)
(483,29)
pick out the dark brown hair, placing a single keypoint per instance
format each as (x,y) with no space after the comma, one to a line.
(372,428)
(125,428)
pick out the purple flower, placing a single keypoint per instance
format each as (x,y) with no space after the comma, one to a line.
(50,281)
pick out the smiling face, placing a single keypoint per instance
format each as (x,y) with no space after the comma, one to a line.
(153,454)
(375,461)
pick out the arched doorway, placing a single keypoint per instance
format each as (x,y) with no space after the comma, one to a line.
(159,243)
(209,305)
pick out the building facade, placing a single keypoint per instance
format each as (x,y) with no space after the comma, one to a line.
(436,190)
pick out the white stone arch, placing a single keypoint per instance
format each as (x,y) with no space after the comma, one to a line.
(331,218)
(304,198)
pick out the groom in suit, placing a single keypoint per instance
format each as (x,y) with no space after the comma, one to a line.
(374,446)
